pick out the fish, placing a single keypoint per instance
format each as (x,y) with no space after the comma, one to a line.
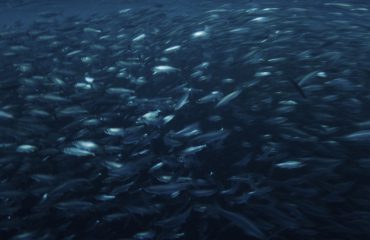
(182,101)
(211,137)
(362,136)
(6,115)
(75,205)
(228,98)
(167,189)
(172,49)
(164,69)
(200,121)
(26,148)
(193,149)
(200,34)
(188,131)
(145,235)
(246,225)
(290,164)
(139,37)
(298,88)
(78,152)
(212,97)
(174,221)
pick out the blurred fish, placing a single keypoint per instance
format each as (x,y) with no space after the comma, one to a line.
(142,123)
(228,98)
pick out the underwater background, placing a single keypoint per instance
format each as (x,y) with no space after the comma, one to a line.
(184,119)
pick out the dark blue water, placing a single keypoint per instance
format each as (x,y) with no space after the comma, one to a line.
(184,119)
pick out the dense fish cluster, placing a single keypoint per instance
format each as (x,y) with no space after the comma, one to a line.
(247,123)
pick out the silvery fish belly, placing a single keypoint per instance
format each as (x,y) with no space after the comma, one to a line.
(193,119)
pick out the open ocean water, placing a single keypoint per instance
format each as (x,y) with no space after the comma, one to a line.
(160,119)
